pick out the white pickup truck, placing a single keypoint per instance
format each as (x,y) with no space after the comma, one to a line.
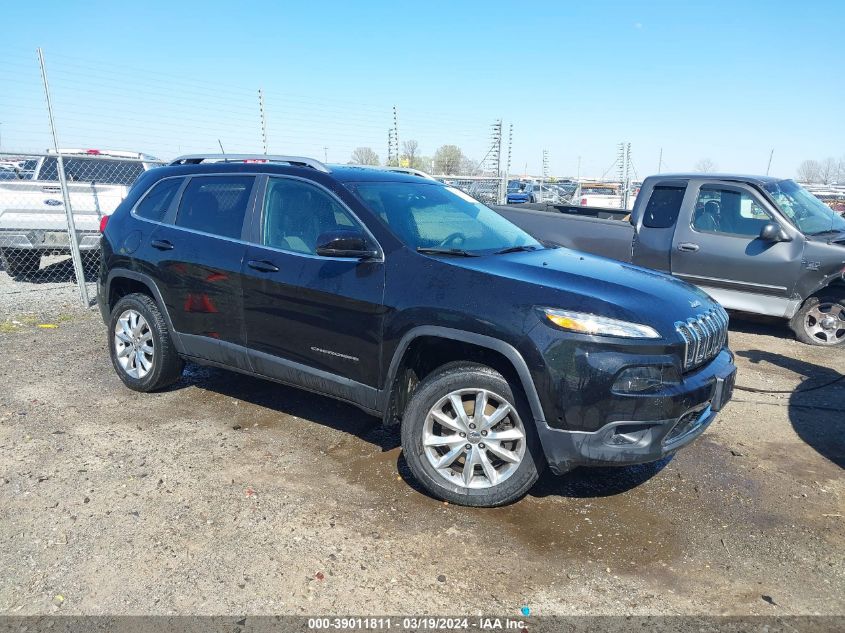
(33,221)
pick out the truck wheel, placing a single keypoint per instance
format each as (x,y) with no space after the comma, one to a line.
(141,348)
(468,439)
(19,263)
(821,320)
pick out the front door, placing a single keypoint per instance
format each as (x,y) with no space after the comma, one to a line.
(722,252)
(310,320)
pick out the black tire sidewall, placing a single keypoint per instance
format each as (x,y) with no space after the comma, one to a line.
(164,362)
(432,389)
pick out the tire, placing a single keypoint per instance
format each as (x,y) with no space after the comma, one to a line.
(420,427)
(19,263)
(153,370)
(821,321)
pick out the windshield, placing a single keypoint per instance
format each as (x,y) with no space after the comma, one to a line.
(425,215)
(809,214)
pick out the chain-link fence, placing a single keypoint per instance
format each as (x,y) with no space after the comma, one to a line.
(51,209)
(486,189)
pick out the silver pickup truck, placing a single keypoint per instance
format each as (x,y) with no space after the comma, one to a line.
(33,221)
(754,243)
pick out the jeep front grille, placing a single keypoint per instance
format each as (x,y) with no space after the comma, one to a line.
(704,336)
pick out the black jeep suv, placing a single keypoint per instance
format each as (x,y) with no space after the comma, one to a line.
(410,299)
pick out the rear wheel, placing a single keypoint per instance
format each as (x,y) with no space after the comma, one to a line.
(469,439)
(142,350)
(19,263)
(821,320)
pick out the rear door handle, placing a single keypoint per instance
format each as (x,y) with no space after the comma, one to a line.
(688,247)
(263,265)
(162,245)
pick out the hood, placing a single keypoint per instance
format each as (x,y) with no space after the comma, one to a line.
(567,279)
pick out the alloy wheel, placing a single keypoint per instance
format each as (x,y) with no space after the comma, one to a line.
(474,438)
(133,344)
(826,323)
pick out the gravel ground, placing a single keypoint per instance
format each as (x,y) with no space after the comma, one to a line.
(230,495)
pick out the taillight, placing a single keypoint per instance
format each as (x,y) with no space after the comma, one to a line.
(103,221)
(583,202)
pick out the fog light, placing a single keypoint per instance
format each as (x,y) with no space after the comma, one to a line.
(645,379)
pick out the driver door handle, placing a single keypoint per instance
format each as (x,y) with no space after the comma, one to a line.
(688,247)
(162,245)
(263,265)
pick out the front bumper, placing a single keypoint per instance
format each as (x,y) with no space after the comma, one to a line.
(636,441)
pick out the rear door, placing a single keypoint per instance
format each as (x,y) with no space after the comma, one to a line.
(198,252)
(720,249)
(310,320)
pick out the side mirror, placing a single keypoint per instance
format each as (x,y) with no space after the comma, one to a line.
(772,232)
(344,243)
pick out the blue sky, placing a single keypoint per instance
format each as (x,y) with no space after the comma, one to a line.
(728,81)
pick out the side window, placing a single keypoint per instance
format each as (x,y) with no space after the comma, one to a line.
(49,170)
(215,204)
(663,207)
(108,172)
(155,204)
(728,211)
(296,214)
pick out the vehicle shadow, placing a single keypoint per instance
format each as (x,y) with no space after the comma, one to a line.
(55,270)
(816,406)
(289,401)
(585,483)
(758,324)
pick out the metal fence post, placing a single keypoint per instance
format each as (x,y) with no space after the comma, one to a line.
(76,256)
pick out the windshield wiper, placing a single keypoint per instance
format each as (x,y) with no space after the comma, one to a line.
(515,249)
(457,252)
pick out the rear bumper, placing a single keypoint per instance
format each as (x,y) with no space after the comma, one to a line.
(47,240)
(637,441)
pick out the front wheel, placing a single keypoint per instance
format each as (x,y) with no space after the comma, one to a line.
(820,321)
(469,439)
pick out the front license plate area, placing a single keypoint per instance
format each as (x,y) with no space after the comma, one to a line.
(724,391)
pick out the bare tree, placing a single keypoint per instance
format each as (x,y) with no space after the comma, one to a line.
(705,166)
(809,171)
(363,156)
(447,159)
(828,171)
(410,148)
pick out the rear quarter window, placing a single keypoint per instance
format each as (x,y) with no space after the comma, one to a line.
(663,207)
(154,205)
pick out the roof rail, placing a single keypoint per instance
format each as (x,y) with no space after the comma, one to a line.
(297,161)
(402,170)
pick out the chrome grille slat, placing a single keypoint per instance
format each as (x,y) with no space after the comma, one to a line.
(704,336)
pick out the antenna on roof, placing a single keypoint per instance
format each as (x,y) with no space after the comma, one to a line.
(222,151)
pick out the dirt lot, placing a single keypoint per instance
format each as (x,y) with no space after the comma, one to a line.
(230,495)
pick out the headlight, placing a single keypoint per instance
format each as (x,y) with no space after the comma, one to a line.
(599,325)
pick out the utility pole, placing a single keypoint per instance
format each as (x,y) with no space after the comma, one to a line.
(771,154)
(397,153)
(78,270)
(263,120)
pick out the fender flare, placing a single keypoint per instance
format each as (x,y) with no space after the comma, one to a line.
(481,340)
(125,273)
